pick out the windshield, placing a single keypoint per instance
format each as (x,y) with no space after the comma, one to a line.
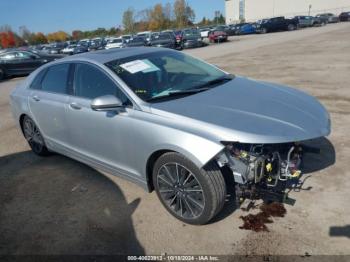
(162,73)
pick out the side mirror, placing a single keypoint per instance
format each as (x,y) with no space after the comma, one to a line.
(106,103)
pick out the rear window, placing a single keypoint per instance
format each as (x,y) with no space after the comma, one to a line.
(55,80)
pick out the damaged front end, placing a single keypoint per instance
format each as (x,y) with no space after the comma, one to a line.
(262,170)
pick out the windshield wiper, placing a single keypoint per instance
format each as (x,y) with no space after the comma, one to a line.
(200,88)
(188,91)
(219,80)
(178,93)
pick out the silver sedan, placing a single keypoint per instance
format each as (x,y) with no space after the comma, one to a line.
(170,123)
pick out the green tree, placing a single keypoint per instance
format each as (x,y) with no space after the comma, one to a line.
(221,19)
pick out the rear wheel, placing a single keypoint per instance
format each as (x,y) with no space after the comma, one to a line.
(192,195)
(2,74)
(291,27)
(33,136)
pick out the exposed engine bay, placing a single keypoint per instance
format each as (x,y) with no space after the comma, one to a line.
(262,170)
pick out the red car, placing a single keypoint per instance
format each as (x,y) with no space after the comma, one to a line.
(217,36)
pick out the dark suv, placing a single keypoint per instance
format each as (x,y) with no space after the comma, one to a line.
(277,24)
(345,16)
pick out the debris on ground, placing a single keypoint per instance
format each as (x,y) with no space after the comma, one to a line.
(274,209)
(258,221)
(80,188)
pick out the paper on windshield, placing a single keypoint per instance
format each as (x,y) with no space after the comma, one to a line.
(135,66)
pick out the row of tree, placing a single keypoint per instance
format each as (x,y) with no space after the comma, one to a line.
(159,17)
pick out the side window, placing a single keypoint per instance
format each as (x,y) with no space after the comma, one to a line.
(90,82)
(55,79)
(23,55)
(36,83)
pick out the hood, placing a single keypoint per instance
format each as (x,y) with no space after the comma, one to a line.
(250,111)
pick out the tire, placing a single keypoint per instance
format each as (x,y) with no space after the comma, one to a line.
(190,194)
(263,30)
(34,138)
(291,27)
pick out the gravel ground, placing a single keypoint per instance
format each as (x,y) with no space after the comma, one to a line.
(58,206)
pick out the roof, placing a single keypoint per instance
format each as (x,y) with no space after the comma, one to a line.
(105,56)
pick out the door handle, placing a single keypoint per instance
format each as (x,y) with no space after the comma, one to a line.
(36,98)
(75,106)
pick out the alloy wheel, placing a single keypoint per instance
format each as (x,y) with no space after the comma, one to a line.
(33,136)
(180,191)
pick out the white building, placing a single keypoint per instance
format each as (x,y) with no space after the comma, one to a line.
(252,10)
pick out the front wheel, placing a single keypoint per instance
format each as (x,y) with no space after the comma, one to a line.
(33,136)
(190,194)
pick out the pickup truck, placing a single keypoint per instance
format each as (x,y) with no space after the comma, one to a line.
(277,24)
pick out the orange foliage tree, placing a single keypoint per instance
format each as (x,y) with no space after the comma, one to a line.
(7,39)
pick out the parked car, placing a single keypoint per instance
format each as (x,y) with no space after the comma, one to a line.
(228,30)
(166,40)
(126,38)
(84,42)
(205,32)
(115,43)
(345,16)
(277,24)
(244,29)
(332,18)
(147,35)
(305,21)
(80,49)
(150,116)
(192,38)
(69,50)
(56,48)
(18,62)
(96,44)
(320,20)
(136,41)
(217,36)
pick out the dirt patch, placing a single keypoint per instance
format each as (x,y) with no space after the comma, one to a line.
(258,221)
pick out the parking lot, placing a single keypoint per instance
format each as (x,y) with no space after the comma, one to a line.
(58,206)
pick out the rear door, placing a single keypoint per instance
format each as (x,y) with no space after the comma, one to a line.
(48,103)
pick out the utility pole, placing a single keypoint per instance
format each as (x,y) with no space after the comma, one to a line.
(217,14)
(310,6)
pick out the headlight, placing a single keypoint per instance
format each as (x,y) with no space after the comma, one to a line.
(199,39)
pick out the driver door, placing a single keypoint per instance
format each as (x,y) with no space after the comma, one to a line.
(99,137)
